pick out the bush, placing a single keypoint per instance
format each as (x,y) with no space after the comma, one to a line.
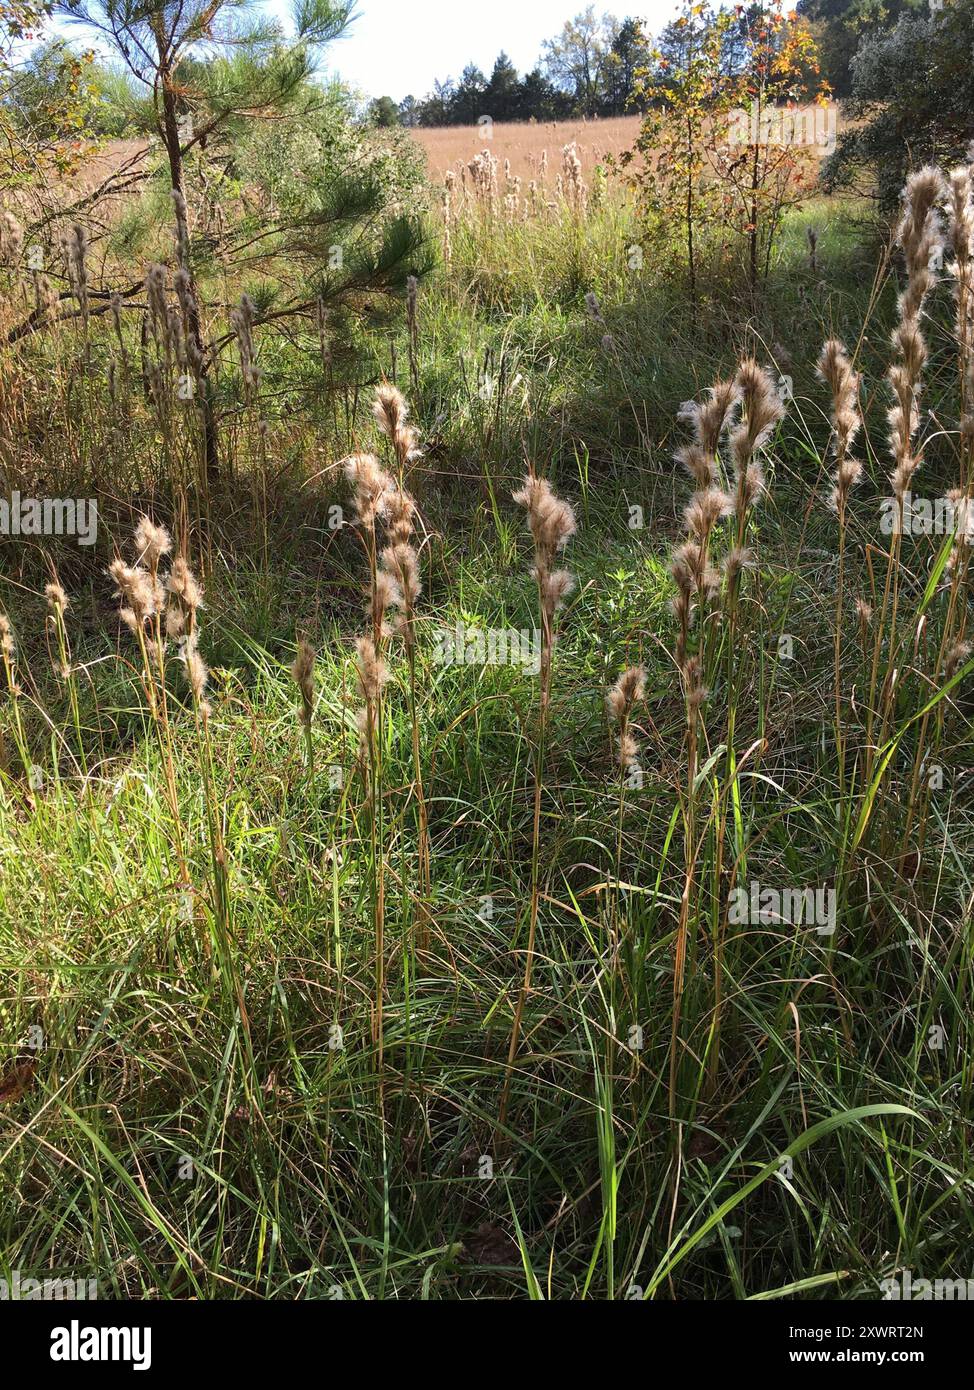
(912,101)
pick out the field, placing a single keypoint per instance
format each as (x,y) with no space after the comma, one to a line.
(489,814)
(524,142)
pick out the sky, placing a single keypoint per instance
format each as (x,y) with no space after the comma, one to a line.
(396,47)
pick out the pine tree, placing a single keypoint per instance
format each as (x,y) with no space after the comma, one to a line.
(202,71)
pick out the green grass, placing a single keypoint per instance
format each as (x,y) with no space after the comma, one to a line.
(160,1147)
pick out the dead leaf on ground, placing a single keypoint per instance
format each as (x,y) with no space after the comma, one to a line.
(17,1080)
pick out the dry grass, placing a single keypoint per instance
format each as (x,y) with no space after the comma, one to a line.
(312,972)
(523,141)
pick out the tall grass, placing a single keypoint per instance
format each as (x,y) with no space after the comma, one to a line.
(438,985)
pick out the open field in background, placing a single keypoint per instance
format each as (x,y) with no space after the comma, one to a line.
(524,142)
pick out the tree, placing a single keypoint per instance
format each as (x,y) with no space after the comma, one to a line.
(721,144)
(383,112)
(46,100)
(501,98)
(839,26)
(766,164)
(540,100)
(912,103)
(628,54)
(409,111)
(575,59)
(688,100)
(57,95)
(469,98)
(317,204)
(201,66)
(437,107)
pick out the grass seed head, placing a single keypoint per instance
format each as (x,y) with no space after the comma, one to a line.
(402,563)
(738,559)
(627,691)
(303,669)
(705,509)
(372,486)
(152,542)
(371,669)
(57,599)
(762,410)
(138,593)
(956,657)
(182,584)
(552,520)
(390,410)
(197,671)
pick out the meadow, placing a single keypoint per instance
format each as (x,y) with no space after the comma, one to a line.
(506,833)
(522,143)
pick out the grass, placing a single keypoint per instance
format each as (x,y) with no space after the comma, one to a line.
(522,142)
(159,1136)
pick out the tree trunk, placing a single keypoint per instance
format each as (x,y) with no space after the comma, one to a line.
(755,184)
(170,126)
(691,254)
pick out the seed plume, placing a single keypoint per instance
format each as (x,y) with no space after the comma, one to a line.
(303,671)
(628,690)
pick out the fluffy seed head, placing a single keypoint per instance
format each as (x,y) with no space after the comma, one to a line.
(182,583)
(552,520)
(57,599)
(696,691)
(152,542)
(402,563)
(11,237)
(302,670)
(390,410)
(197,672)
(956,658)
(762,411)
(555,588)
(371,483)
(835,369)
(385,595)
(137,592)
(399,512)
(681,573)
(919,232)
(371,669)
(737,560)
(705,509)
(698,463)
(847,475)
(628,689)
(714,414)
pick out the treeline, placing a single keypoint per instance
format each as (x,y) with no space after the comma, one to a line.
(591,68)
(603,66)
(840,26)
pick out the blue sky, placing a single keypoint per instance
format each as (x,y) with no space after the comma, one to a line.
(400,46)
(394,47)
